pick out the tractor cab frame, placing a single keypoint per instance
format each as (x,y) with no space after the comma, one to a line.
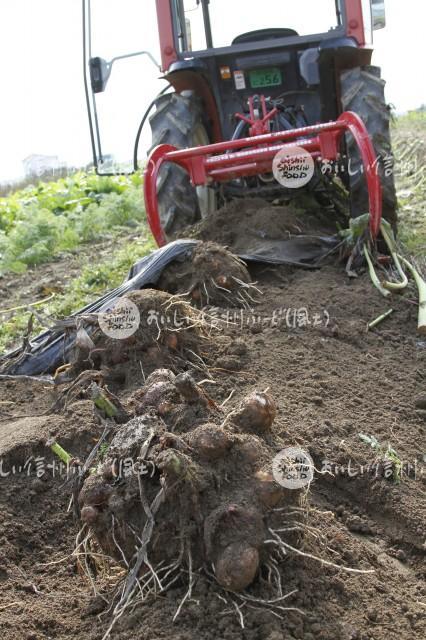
(227,76)
(223,77)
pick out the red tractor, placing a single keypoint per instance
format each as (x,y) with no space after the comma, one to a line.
(237,101)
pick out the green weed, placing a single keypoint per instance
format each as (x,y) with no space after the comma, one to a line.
(385,454)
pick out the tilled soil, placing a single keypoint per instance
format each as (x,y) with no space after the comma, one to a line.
(331,380)
(239,221)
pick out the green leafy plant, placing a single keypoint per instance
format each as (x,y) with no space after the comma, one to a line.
(40,222)
(386,454)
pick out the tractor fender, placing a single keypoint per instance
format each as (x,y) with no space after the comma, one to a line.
(346,50)
(187,75)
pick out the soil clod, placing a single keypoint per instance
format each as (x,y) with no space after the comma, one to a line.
(211,276)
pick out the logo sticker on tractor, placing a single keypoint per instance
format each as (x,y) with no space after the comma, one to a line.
(293,168)
(239,79)
(121,321)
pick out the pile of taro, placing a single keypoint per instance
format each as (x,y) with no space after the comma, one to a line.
(183,487)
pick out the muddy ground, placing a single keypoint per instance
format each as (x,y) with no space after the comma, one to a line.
(331,380)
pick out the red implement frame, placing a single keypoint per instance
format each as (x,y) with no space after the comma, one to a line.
(224,161)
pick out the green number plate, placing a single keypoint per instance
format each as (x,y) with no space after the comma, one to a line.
(265,78)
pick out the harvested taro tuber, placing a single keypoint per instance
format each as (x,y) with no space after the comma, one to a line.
(237,566)
(256,413)
(184,488)
(210,275)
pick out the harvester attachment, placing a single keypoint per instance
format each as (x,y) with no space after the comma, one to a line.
(225,161)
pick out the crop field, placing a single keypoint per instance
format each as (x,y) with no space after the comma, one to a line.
(138,495)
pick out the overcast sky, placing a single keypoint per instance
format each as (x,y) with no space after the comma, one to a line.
(42,109)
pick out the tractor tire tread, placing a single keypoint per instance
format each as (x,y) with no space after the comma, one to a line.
(175,118)
(362,91)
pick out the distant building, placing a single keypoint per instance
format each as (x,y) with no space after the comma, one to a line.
(37,165)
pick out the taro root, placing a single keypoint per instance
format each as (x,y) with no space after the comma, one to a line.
(172,441)
(165,408)
(210,441)
(89,515)
(93,499)
(256,413)
(187,387)
(210,275)
(231,523)
(237,566)
(158,393)
(200,494)
(178,400)
(109,471)
(118,504)
(251,448)
(268,491)
(94,492)
(172,463)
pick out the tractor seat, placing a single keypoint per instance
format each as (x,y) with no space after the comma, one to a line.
(264,34)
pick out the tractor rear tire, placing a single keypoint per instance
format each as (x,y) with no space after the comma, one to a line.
(178,121)
(362,91)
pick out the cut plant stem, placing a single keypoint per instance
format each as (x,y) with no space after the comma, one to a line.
(30,304)
(421,286)
(59,451)
(390,241)
(374,279)
(102,402)
(380,319)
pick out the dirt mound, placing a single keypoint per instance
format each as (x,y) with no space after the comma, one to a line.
(212,275)
(170,333)
(243,222)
